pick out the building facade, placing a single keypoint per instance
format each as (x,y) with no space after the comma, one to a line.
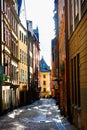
(54,71)
(34,59)
(76,36)
(23,66)
(19,57)
(36,62)
(9,55)
(62,55)
(45,76)
(59,55)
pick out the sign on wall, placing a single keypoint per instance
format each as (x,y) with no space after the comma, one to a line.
(3,77)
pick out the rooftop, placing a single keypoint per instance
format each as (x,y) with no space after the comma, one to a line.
(43,66)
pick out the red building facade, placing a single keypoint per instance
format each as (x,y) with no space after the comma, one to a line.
(62,54)
(59,55)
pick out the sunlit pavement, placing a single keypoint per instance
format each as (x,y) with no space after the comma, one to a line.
(41,115)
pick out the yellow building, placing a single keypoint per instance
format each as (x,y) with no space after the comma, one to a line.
(77,62)
(45,73)
(23,69)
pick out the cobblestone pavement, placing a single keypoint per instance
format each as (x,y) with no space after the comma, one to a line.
(41,115)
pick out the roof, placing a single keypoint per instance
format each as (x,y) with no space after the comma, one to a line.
(19,5)
(36,32)
(43,66)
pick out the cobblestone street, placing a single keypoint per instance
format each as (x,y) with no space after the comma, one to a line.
(41,115)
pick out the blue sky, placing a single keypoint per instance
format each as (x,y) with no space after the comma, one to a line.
(41,14)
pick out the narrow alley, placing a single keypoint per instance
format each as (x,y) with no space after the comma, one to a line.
(43,64)
(41,115)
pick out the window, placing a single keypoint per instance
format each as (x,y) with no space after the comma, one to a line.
(44,76)
(44,82)
(5,6)
(75,80)
(20,75)
(23,57)
(12,21)
(14,48)
(5,63)
(72,81)
(44,89)
(9,39)
(13,74)
(83,7)
(23,75)
(71,16)
(82,1)
(20,56)
(25,39)
(9,67)
(76,7)
(9,13)
(30,46)
(16,28)
(20,35)
(78,79)
(31,61)
(16,51)
(75,87)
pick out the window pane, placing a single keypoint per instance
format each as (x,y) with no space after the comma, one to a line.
(44,76)
(44,82)
(76,7)
(44,89)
